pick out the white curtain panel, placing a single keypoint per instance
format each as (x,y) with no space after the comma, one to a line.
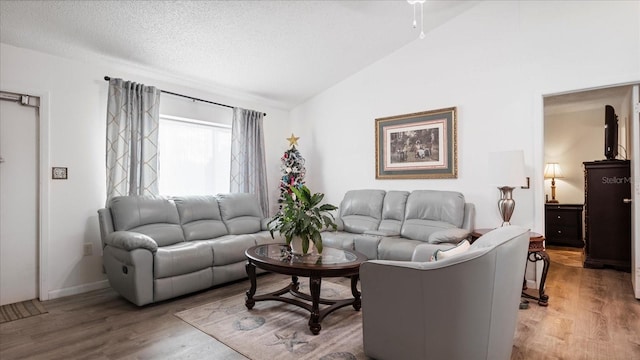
(133,114)
(248,166)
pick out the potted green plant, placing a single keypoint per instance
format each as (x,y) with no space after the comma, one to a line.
(301,218)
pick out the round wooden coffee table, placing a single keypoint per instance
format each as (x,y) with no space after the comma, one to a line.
(277,258)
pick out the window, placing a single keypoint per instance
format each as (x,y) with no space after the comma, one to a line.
(194,157)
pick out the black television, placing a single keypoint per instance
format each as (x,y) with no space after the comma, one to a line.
(610,133)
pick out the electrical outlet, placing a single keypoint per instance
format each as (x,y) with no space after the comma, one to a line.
(88,249)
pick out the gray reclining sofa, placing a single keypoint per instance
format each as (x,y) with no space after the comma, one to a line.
(156,248)
(398,225)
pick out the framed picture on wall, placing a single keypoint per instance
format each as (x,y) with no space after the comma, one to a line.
(417,146)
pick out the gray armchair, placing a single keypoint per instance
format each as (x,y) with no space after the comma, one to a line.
(461,307)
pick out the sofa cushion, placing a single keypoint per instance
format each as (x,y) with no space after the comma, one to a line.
(418,229)
(446,206)
(338,239)
(361,210)
(200,217)
(154,216)
(461,247)
(182,258)
(173,286)
(393,211)
(395,248)
(367,245)
(429,211)
(230,249)
(240,213)
(264,237)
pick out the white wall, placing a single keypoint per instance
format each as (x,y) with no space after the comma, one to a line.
(494,63)
(571,139)
(77,114)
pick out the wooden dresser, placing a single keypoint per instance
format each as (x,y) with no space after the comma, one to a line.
(607,190)
(563,225)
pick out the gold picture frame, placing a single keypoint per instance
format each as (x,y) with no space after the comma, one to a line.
(417,146)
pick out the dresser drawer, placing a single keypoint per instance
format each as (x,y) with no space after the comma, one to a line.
(560,217)
(562,232)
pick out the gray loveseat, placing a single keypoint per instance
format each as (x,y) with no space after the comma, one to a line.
(395,225)
(156,248)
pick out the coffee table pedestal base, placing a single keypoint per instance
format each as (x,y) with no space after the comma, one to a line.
(310,302)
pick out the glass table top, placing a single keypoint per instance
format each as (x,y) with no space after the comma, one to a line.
(329,256)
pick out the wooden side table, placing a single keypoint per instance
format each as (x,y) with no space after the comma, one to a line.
(535,253)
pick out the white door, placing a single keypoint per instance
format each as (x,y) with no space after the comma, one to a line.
(635,192)
(18,202)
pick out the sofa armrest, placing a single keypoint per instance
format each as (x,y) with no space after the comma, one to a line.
(469,255)
(106,223)
(469,216)
(129,240)
(264,224)
(431,295)
(339,224)
(422,254)
(452,236)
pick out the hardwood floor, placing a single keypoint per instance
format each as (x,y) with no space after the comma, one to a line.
(102,325)
(592,314)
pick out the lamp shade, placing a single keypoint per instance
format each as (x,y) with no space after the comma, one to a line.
(553,171)
(507,168)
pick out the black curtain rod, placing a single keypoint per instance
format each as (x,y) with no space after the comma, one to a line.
(107,78)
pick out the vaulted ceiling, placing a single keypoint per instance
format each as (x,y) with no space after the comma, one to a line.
(283,52)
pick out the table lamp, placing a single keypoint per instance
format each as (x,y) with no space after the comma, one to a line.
(553,171)
(507,172)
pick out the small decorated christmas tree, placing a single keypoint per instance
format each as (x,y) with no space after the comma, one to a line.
(292,167)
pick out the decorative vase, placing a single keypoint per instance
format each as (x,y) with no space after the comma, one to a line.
(506,204)
(296,246)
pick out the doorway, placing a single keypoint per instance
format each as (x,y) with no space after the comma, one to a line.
(574,133)
(19,197)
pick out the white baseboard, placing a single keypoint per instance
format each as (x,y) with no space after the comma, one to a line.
(636,284)
(532,284)
(533,274)
(80,289)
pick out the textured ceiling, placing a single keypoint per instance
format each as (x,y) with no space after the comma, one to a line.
(280,51)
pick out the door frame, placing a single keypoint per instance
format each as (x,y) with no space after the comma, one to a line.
(538,155)
(43,183)
(635,191)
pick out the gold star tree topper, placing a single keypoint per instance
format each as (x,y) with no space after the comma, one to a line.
(293,140)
